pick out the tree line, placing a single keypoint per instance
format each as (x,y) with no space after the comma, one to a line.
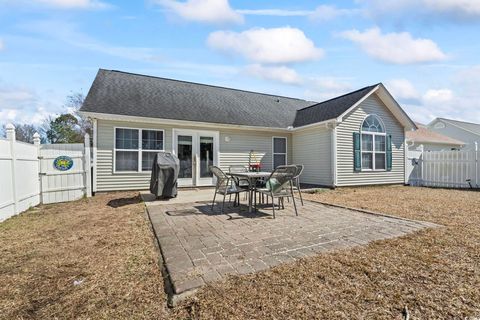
(68,127)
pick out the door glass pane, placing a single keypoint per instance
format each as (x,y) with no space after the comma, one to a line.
(279,160)
(367,142)
(126,161)
(279,145)
(206,156)
(367,162)
(147,160)
(380,161)
(379,143)
(185,156)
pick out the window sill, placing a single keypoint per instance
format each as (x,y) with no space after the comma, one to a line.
(131,172)
(371,170)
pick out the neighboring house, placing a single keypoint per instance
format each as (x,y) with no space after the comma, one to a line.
(428,140)
(354,139)
(467,132)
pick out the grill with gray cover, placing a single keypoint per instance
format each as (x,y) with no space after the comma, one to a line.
(163,182)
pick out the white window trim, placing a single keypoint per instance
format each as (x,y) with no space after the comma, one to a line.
(139,150)
(373,152)
(279,153)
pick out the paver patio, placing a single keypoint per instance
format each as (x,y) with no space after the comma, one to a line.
(200,245)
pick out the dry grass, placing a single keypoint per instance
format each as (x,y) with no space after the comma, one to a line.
(107,243)
(103,241)
(436,272)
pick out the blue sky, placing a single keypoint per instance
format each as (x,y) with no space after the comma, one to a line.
(425,51)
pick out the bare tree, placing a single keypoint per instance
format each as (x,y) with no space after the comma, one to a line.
(23,132)
(74,103)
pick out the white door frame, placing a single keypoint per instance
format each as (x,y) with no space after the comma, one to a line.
(196,180)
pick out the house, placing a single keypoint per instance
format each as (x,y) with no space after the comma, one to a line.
(467,132)
(428,140)
(354,139)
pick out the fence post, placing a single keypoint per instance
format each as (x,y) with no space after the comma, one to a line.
(36,142)
(420,159)
(10,132)
(476,164)
(88,167)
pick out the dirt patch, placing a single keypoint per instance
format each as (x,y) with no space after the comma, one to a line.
(90,259)
(435,273)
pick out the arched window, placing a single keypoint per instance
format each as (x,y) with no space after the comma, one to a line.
(373,144)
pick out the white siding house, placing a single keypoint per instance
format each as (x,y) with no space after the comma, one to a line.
(354,139)
(467,132)
(346,176)
(425,139)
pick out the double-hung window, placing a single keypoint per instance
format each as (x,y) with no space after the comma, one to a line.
(373,144)
(136,148)
(279,151)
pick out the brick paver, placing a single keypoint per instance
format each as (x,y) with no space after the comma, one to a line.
(200,245)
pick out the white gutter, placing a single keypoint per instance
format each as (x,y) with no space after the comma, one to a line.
(117,117)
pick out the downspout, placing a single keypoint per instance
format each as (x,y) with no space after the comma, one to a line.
(405,157)
(333,139)
(94,150)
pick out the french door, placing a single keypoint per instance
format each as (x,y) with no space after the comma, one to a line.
(196,150)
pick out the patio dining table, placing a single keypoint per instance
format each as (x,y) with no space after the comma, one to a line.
(252,178)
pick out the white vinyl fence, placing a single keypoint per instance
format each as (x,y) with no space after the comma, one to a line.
(445,169)
(29,177)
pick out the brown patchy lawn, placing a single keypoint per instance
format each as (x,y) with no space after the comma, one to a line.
(107,242)
(435,273)
(101,240)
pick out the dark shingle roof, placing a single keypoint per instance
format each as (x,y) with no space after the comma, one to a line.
(122,93)
(329,109)
(115,92)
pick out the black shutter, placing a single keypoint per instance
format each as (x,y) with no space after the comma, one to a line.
(389,152)
(357,152)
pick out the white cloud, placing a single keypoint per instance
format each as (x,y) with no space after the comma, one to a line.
(438,96)
(68,33)
(402,89)
(208,11)
(23,105)
(456,99)
(275,12)
(321,13)
(61,4)
(280,74)
(276,45)
(458,9)
(399,48)
(324,88)
(328,12)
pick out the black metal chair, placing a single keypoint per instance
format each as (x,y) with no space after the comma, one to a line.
(280,185)
(224,186)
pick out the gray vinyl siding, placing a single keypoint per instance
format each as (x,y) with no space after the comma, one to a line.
(351,123)
(452,131)
(313,148)
(236,151)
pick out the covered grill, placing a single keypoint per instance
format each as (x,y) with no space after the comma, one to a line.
(163,182)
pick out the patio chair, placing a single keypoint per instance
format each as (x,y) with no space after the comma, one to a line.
(224,186)
(242,183)
(296,180)
(280,185)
